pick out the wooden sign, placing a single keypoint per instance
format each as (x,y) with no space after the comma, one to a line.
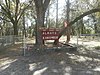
(50,34)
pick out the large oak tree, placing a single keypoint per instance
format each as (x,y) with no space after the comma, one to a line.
(41,7)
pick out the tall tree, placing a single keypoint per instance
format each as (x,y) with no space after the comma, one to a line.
(41,7)
(67,16)
(13,11)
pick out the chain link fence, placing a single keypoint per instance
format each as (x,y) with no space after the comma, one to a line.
(6,41)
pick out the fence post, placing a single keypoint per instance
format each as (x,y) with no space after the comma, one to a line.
(24,46)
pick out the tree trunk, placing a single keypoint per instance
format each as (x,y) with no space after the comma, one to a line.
(95,28)
(82,27)
(68,35)
(68,28)
(39,25)
(41,7)
(15,28)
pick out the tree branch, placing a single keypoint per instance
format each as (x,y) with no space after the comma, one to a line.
(7,13)
(84,14)
(22,12)
(4,19)
(16,9)
(76,19)
(6,3)
(45,5)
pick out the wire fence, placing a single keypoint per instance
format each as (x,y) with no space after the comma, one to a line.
(6,41)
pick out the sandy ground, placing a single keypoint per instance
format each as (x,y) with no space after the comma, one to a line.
(85,61)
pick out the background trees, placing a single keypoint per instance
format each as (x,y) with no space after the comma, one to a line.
(35,14)
(12,11)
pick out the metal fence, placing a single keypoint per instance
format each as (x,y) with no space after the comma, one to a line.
(6,41)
